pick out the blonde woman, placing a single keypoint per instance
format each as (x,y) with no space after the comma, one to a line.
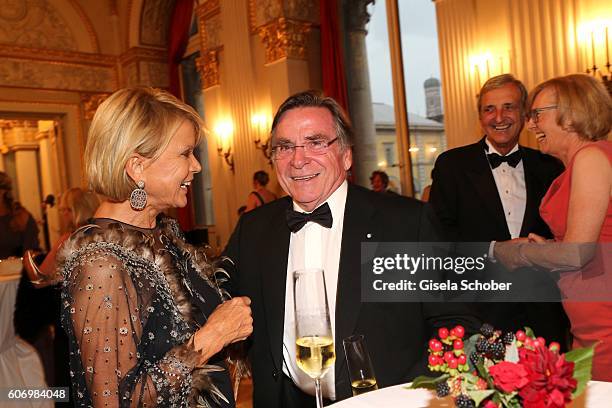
(144,315)
(76,207)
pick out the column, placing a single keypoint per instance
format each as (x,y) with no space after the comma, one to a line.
(359,93)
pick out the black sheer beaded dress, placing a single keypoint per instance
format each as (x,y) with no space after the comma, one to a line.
(132,300)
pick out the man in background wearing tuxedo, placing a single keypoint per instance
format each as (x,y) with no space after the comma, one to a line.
(321,224)
(491,191)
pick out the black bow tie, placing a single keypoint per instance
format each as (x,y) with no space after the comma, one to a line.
(512,159)
(322,216)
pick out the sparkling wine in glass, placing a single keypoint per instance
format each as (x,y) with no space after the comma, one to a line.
(315,342)
(361,372)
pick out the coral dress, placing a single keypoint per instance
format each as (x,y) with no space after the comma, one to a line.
(591,321)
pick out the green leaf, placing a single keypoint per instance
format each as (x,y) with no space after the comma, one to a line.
(509,400)
(469,346)
(480,395)
(426,382)
(583,362)
(529,332)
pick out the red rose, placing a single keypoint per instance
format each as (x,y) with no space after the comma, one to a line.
(509,376)
(551,380)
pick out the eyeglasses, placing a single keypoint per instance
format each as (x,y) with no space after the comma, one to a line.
(313,147)
(534,114)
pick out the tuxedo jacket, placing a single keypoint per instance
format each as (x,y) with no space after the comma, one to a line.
(396,333)
(465,199)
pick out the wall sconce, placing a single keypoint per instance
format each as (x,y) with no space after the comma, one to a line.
(224,131)
(260,122)
(486,65)
(595,40)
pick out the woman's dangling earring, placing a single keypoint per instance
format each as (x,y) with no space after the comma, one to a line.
(138,198)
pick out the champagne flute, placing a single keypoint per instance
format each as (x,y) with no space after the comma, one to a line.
(361,372)
(315,342)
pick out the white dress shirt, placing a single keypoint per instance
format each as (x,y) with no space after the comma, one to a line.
(510,182)
(314,246)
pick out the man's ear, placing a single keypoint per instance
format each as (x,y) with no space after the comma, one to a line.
(135,167)
(347,158)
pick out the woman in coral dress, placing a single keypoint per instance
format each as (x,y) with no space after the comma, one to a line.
(571,117)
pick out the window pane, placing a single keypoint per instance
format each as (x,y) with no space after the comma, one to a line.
(381,84)
(423,87)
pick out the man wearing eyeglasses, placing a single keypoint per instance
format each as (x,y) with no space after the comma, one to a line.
(321,225)
(491,191)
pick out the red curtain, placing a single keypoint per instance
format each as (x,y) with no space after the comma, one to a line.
(177,43)
(332,55)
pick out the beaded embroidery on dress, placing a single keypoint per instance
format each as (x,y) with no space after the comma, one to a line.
(131,303)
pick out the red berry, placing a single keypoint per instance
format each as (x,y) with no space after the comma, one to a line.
(462,359)
(459,331)
(433,360)
(529,342)
(443,333)
(453,363)
(432,344)
(453,333)
(448,356)
(554,346)
(521,336)
(542,341)
(490,404)
(536,343)
(458,344)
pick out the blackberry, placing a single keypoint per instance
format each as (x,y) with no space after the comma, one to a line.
(497,350)
(487,330)
(442,389)
(482,345)
(508,338)
(476,358)
(463,401)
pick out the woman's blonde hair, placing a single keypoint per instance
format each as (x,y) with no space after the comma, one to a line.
(132,120)
(82,204)
(583,104)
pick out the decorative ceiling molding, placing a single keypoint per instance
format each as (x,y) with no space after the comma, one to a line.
(88,25)
(44,54)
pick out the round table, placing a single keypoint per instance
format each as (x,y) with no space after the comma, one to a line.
(20,365)
(598,394)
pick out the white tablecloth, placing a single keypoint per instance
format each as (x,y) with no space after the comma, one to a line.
(597,395)
(20,364)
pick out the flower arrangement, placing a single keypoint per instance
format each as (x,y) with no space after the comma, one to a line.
(509,370)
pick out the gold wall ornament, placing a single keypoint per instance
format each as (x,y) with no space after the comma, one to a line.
(91,103)
(262,12)
(209,8)
(284,38)
(209,24)
(208,67)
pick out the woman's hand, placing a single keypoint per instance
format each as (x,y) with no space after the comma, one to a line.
(508,253)
(230,322)
(535,238)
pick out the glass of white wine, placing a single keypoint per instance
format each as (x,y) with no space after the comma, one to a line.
(361,372)
(314,340)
